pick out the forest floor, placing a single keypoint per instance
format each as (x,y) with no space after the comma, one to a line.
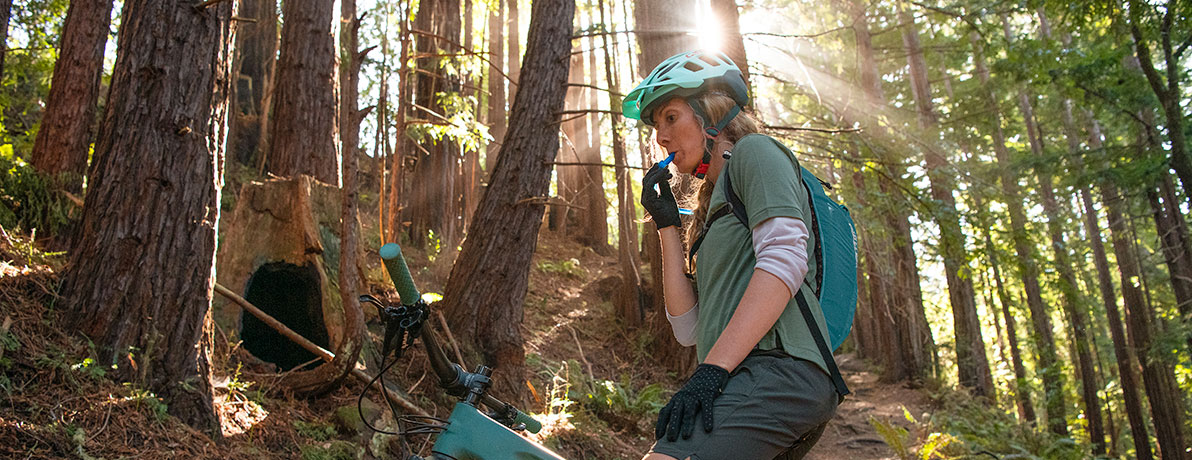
(594,382)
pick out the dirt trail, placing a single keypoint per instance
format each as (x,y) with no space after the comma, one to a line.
(850,435)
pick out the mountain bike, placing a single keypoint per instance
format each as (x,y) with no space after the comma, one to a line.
(468,433)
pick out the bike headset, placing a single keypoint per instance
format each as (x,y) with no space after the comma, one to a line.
(688,75)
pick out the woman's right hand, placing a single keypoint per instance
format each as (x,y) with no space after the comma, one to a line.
(660,204)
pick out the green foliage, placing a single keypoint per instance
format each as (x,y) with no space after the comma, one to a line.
(148,400)
(33,34)
(569,268)
(315,431)
(981,428)
(336,450)
(27,198)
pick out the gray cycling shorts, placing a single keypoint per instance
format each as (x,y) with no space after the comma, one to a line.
(774,406)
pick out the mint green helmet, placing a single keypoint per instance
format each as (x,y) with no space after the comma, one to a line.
(685,75)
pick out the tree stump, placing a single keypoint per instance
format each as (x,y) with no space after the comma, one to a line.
(280,251)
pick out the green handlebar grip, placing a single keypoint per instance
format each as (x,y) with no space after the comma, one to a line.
(399,273)
(532,425)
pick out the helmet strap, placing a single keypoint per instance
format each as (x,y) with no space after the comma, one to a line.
(712,132)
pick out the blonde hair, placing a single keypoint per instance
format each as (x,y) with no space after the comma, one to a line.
(715,105)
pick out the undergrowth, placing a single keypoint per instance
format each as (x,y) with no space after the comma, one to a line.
(965,427)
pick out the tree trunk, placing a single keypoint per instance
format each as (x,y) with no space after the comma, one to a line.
(496,85)
(513,48)
(596,217)
(730,29)
(5,16)
(484,295)
(349,122)
(910,351)
(256,55)
(304,132)
(1077,313)
(398,197)
(1169,94)
(575,133)
(661,33)
(64,139)
(470,167)
(972,363)
(140,279)
(1047,362)
(1173,237)
(628,302)
(1121,348)
(1157,377)
(434,208)
(1022,388)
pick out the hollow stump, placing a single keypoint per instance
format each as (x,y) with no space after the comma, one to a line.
(280,250)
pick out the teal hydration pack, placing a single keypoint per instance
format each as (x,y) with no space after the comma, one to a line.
(835,255)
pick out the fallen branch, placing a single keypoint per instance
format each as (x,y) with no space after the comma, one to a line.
(311,347)
(581,352)
(451,339)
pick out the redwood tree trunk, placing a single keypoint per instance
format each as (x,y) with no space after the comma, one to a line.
(496,85)
(596,217)
(140,279)
(628,302)
(1121,348)
(730,29)
(909,351)
(256,55)
(661,33)
(1157,377)
(5,15)
(1173,234)
(303,137)
(971,362)
(62,141)
(1047,362)
(484,295)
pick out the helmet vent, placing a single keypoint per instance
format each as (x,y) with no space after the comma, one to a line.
(692,67)
(708,59)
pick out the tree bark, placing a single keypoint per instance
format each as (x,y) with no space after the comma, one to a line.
(349,122)
(1173,238)
(1047,362)
(972,363)
(1121,348)
(1157,377)
(140,279)
(661,33)
(496,85)
(1169,94)
(730,29)
(5,16)
(304,133)
(628,302)
(513,48)
(484,295)
(398,198)
(256,56)
(64,139)
(596,218)
(575,134)
(910,351)
(434,207)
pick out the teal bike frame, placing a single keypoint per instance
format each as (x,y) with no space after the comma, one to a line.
(469,433)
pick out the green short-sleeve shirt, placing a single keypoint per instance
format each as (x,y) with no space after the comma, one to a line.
(766,177)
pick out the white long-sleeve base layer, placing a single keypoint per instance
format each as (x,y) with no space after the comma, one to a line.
(780,247)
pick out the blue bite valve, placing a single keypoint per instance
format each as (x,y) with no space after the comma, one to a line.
(664,163)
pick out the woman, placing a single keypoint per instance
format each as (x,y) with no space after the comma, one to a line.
(761,390)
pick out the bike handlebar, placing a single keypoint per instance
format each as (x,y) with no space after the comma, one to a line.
(399,273)
(448,372)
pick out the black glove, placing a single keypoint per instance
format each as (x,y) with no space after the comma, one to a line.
(661,204)
(696,395)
